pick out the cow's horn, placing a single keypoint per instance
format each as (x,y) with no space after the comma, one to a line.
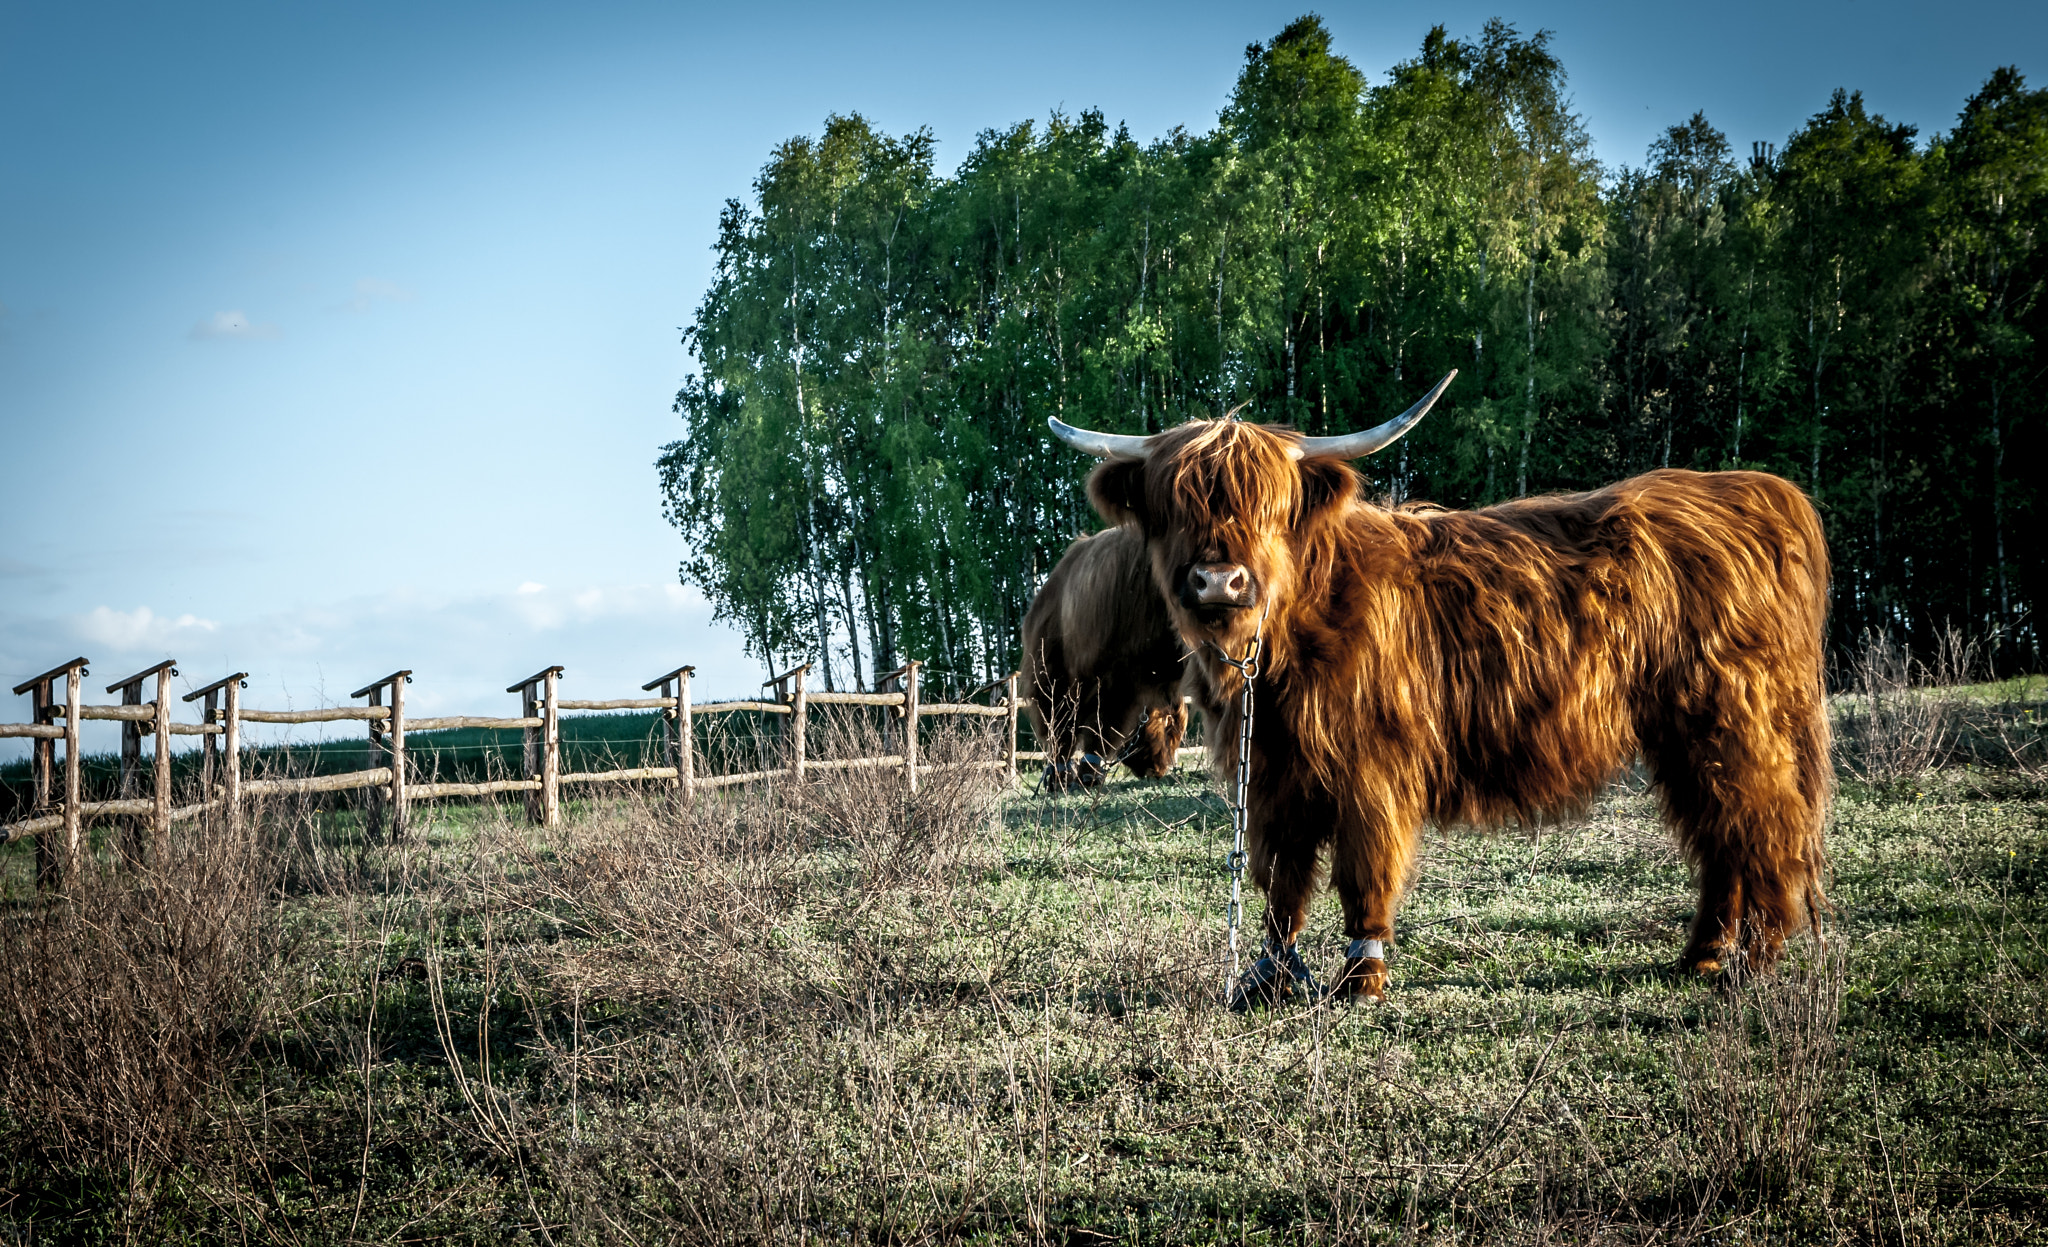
(1354,445)
(1101,445)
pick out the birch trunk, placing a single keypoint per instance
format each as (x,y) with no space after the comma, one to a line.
(1529,389)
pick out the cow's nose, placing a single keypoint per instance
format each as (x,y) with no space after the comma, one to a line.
(1220,584)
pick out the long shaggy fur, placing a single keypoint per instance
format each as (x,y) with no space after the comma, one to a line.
(1498,666)
(1101,658)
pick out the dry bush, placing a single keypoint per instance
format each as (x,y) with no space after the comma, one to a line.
(674,900)
(1758,1080)
(897,836)
(1899,717)
(724,996)
(697,901)
(2019,732)
(126,998)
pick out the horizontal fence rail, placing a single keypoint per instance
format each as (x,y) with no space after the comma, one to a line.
(57,817)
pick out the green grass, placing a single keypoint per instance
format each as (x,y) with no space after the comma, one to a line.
(872,1020)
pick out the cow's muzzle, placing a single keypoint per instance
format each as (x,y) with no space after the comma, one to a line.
(1218,585)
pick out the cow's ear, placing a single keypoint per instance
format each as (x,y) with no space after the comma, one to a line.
(1327,486)
(1116,488)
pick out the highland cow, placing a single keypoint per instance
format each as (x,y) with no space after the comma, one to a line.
(1489,667)
(1102,664)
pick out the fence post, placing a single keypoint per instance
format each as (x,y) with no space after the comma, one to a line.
(543,744)
(910,722)
(131,842)
(387,739)
(529,738)
(74,781)
(209,748)
(210,758)
(371,797)
(793,733)
(799,723)
(373,800)
(398,801)
(231,746)
(44,755)
(888,715)
(686,737)
(551,757)
(1010,756)
(46,782)
(160,821)
(677,740)
(131,763)
(44,752)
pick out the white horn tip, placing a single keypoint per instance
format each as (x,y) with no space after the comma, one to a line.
(1101,445)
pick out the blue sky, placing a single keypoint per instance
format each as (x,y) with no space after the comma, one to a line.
(335,339)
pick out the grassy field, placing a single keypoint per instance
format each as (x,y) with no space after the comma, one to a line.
(849,1015)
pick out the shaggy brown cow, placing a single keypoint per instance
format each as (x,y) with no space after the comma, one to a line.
(1102,664)
(1492,666)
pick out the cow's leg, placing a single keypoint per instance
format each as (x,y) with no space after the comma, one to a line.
(1369,871)
(1717,924)
(1709,831)
(1739,798)
(1283,866)
(1290,885)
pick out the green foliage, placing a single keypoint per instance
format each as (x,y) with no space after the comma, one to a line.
(865,475)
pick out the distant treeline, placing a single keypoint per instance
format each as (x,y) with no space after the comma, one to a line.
(865,470)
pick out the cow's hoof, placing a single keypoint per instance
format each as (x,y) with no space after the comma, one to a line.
(1726,969)
(1363,978)
(1280,977)
(1715,961)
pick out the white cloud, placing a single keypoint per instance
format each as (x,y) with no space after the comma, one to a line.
(139,629)
(234,324)
(369,290)
(546,610)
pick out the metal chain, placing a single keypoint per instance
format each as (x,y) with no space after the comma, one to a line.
(1248,667)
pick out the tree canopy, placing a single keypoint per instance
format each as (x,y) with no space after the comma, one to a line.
(865,474)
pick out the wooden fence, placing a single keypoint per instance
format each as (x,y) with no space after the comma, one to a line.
(58,820)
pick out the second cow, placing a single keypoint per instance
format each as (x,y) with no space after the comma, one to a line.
(1102,664)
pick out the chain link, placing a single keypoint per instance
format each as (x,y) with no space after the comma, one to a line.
(1247,667)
